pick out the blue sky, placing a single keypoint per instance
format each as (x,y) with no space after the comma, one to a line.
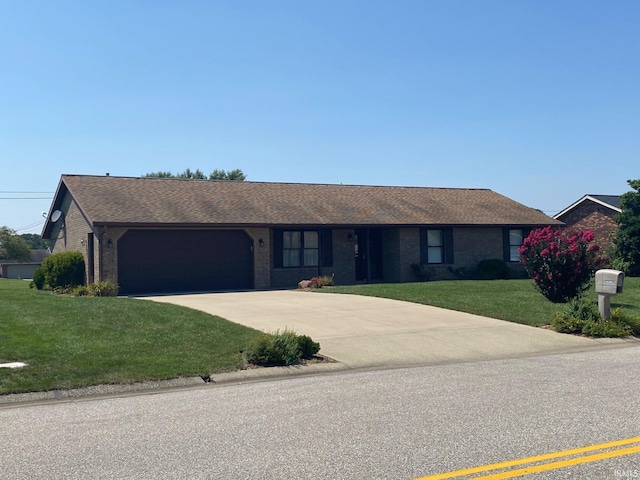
(537,100)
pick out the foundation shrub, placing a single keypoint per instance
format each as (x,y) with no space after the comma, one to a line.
(38,278)
(106,288)
(492,269)
(319,282)
(422,272)
(63,270)
(80,291)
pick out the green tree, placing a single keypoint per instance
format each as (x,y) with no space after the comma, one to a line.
(235,175)
(627,237)
(35,241)
(197,175)
(159,174)
(13,246)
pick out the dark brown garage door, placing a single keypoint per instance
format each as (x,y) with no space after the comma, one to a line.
(156,261)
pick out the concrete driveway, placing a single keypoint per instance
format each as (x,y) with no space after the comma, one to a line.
(363,331)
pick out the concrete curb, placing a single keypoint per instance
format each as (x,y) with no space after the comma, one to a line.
(270,373)
(275,372)
(99,390)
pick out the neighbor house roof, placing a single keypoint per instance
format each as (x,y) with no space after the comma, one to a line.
(609,201)
(37,256)
(155,202)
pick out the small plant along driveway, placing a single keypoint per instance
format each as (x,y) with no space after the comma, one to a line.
(361,331)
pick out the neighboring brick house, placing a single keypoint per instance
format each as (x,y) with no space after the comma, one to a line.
(161,235)
(593,212)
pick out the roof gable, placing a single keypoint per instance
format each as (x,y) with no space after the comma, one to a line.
(609,201)
(130,201)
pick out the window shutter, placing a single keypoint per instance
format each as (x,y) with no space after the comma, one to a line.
(424,255)
(277,248)
(448,245)
(506,251)
(326,243)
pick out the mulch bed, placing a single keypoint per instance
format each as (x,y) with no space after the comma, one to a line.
(304,361)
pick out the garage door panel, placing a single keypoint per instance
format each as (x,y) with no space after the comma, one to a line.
(151,261)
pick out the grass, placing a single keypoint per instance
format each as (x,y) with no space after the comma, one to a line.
(513,300)
(71,342)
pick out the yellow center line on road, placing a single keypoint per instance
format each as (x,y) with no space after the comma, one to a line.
(546,466)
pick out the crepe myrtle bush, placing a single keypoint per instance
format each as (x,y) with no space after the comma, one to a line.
(561,263)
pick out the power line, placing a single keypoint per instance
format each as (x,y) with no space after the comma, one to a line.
(12,191)
(30,226)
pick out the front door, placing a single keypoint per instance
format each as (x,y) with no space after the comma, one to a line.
(368,254)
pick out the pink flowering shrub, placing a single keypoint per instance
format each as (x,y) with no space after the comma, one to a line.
(319,282)
(561,263)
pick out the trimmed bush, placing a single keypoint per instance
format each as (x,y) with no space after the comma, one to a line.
(63,270)
(423,272)
(280,348)
(287,342)
(38,278)
(492,269)
(308,348)
(262,350)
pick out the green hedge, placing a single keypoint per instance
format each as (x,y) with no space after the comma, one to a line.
(61,270)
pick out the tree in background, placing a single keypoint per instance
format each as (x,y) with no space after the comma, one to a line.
(35,241)
(235,175)
(13,246)
(627,238)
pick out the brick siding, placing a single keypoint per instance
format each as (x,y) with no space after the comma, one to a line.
(595,217)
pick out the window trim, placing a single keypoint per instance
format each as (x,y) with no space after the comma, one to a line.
(439,247)
(301,250)
(446,247)
(507,242)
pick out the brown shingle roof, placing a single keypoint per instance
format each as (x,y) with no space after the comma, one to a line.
(108,200)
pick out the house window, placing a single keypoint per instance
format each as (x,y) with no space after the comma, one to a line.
(435,246)
(516,237)
(300,249)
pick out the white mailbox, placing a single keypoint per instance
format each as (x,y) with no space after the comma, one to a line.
(609,282)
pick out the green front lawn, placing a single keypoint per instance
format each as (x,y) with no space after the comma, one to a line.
(70,342)
(513,300)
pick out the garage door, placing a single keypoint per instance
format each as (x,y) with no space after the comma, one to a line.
(156,261)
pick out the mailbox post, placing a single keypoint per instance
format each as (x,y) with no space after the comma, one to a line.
(608,283)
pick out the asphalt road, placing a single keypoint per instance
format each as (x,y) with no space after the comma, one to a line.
(390,424)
